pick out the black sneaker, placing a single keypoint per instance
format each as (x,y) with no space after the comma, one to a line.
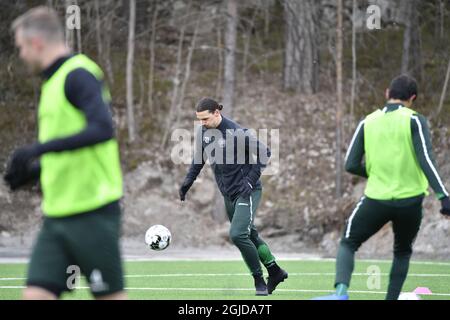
(261,287)
(274,280)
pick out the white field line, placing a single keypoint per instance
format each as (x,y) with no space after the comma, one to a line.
(312,259)
(234,289)
(299,274)
(417,262)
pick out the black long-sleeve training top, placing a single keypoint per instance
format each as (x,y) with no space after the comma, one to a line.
(242,156)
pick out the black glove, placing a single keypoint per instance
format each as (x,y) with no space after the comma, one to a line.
(187,184)
(22,156)
(18,171)
(445,210)
(246,188)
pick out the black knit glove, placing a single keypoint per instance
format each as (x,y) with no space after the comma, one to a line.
(18,170)
(445,210)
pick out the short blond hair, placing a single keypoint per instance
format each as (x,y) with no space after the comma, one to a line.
(42,21)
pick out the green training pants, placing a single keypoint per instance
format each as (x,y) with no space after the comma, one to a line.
(243,233)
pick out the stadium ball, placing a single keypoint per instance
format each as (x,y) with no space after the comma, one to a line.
(158,237)
(408,296)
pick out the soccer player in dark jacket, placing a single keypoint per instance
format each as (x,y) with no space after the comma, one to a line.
(237,159)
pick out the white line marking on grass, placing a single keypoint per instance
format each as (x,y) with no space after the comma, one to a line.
(432,263)
(290,259)
(212,259)
(299,274)
(291,274)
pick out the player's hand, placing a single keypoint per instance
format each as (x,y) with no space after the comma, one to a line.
(22,156)
(18,168)
(185,188)
(15,179)
(246,188)
(445,210)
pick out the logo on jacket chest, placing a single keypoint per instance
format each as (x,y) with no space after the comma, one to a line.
(220,142)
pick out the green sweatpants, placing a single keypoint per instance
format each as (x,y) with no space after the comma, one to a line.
(367,218)
(243,233)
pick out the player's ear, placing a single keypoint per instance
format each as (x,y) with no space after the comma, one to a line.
(386,93)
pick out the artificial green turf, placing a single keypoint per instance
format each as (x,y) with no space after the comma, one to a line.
(171,279)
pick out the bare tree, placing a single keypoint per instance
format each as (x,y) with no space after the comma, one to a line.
(98,29)
(353,89)
(441,18)
(152,57)
(102,15)
(230,53)
(108,35)
(129,72)
(339,104)
(187,72)
(220,58)
(444,91)
(301,56)
(79,44)
(247,41)
(411,56)
(176,82)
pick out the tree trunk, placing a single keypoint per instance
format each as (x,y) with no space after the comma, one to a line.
(108,35)
(444,91)
(353,89)
(230,53)
(79,44)
(129,72)
(187,74)
(301,56)
(220,64)
(98,30)
(339,100)
(176,84)
(441,19)
(152,59)
(411,57)
(247,41)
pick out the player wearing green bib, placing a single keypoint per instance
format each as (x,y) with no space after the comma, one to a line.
(77,162)
(399,165)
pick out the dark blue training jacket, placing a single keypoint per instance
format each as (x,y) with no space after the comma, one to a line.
(231,168)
